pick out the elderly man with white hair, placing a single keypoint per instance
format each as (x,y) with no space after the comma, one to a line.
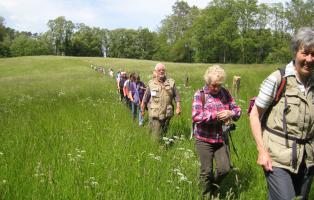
(161,92)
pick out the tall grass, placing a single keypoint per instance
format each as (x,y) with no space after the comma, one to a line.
(65,135)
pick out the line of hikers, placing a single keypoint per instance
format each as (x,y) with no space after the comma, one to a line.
(282,123)
(131,90)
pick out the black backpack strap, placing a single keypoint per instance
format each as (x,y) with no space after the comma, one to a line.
(295,140)
(202,98)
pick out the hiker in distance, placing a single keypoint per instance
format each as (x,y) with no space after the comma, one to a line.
(160,92)
(213,107)
(284,130)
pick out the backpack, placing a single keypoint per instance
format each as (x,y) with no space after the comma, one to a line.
(121,82)
(296,140)
(280,91)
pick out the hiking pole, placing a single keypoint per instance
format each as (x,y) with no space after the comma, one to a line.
(233,146)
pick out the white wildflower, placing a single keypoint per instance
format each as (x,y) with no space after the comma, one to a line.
(179,173)
(189,150)
(240,100)
(157,158)
(61,93)
(94,183)
(183,178)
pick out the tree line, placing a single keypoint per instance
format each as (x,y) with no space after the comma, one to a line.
(226,31)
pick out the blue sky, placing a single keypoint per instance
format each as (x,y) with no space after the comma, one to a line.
(33,15)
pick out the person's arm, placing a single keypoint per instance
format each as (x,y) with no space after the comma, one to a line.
(197,108)
(130,92)
(177,99)
(263,156)
(178,108)
(234,111)
(130,96)
(145,100)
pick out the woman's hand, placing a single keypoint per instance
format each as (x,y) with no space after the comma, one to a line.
(224,115)
(264,160)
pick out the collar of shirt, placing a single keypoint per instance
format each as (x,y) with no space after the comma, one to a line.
(290,71)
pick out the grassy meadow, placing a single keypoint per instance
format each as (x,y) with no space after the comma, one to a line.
(65,135)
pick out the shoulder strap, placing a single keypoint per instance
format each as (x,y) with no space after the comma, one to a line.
(282,86)
(226,96)
(280,90)
(202,98)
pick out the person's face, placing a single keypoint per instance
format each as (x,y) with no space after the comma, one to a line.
(161,72)
(214,88)
(304,62)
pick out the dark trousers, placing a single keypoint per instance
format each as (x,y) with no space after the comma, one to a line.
(128,102)
(134,109)
(121,93)
(285,185)
(207,153)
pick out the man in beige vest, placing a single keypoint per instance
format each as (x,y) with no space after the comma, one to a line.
(284,135)
(160,92)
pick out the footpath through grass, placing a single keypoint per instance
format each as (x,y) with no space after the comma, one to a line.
(65,135)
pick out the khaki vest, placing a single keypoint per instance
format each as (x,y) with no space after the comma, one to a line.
(162,95)
(300,123)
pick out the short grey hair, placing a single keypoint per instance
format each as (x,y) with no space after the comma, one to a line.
(304,37)
(215,73)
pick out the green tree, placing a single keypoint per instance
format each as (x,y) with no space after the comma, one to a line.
(246,12)
(145,43)
(214,32)
(121,42)
(61,31)
(173,44)
(24,45)
(300,14)
(5,34)
(87,41)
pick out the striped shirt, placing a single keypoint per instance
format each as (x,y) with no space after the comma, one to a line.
(269,86)
(207,127)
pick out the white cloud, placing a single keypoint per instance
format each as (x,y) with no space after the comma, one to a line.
(33,15)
